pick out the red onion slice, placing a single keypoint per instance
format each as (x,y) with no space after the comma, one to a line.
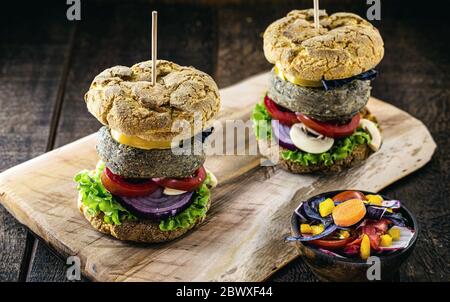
(157,206)
(281,134)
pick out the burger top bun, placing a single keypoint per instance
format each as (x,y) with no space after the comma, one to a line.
(124,99)
(345,45)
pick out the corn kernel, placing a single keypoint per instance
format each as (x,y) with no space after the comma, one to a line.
(344,234)
(394,233)
(317,229)
(375,200)
(386,240)
(305,228)
(364,249)
(326,207)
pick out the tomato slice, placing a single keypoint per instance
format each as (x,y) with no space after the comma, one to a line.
(330,129)
(117,185)
(184,184)
(284,116)
(346,195)
(332,244)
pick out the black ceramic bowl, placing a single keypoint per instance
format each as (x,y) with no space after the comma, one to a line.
(331,268)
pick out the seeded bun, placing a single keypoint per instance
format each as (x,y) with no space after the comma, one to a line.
(345,45)
(124,99)
(138,231)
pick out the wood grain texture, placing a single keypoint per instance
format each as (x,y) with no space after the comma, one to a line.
(241,27)
(413,76)
(242,238)
(27,95)
(122,43)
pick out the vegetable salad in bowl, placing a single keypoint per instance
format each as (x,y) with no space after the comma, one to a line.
(353,225)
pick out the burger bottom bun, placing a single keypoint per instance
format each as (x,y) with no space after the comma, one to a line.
(145,231)
(130,162)
(359,154)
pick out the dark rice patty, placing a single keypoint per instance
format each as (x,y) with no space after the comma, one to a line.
(130,162)
(338,104)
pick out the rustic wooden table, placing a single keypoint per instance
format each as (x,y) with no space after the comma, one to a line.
(47,63)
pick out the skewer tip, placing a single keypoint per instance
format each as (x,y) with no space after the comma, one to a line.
(316,14)
(154,45)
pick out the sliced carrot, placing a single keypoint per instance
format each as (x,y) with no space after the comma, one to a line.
(347,195)
(349,212)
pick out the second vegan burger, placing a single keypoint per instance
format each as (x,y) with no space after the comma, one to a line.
(318,90)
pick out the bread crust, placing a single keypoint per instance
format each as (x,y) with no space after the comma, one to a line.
(345,45)
(141,230)
(124,99)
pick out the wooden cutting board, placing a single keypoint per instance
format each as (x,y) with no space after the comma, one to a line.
(242,238)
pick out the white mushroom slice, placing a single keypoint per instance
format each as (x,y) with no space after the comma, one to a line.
(309,143)
(374,132)
(170,191)
(212,178)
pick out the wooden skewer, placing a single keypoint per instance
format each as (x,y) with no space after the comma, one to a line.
(316,14)
(154,45)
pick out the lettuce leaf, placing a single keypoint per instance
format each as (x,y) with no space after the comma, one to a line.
(340,150)
(97,199)
(261,122)
(189,216)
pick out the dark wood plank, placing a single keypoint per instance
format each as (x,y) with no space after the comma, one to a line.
(240,31)
(46,266)
(120,35)
(32,50)
(413,77)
